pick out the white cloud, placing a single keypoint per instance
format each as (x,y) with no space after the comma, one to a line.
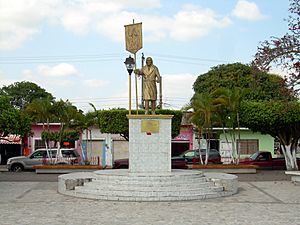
(60,70)
(190,23)
(247,10)
(279,71)
(178,89)
(5,79)
(93,83)
(193,22)
(42,75)
(76,22)
(112,26)
(6,82)
(21,20)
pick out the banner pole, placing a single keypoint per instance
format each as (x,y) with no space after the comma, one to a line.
(136,87)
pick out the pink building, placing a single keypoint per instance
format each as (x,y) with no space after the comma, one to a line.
(35,141)
(184,140)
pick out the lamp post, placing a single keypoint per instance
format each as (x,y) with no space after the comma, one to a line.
(129,63)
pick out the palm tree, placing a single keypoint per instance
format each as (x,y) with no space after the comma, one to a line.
(41,110)
(204,110)
(228,102)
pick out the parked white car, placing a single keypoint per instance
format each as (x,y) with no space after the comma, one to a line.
(42,157)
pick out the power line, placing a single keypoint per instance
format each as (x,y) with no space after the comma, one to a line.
(97,58)
(189,58)
(173,104)
(59,58)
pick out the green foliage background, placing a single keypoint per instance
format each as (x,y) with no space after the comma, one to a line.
(115,121)
(256,85)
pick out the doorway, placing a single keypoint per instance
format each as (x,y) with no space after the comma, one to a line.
(9,150)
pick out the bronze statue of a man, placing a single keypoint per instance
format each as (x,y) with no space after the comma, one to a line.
(151,75)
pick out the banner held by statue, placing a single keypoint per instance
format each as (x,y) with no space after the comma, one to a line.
(133,37)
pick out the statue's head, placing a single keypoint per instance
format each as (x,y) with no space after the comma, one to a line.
(149,61)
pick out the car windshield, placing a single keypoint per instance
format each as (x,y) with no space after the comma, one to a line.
(189,154)
(69,153)
(254,156)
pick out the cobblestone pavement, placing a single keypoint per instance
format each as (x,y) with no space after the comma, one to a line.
(257,203)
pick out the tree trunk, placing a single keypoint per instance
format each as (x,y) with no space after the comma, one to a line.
(207,146)
(199,144)
(233,147)
(227,143)
(290,157)
(239,139)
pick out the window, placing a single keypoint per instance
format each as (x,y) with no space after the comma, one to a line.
(52,153)
(189,154)
(38,155)
(263,157)
(43,154)
(249,146)
(38,143)
(68,153)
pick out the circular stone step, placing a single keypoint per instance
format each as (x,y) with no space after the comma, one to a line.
(121,185)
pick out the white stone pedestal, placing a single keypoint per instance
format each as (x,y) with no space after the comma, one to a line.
(149,177)
(150,143)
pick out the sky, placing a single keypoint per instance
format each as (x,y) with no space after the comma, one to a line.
(75,49)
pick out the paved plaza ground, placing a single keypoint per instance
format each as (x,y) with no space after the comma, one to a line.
(263,198)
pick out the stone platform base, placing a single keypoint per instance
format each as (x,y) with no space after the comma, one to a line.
(120,185)
(295,176)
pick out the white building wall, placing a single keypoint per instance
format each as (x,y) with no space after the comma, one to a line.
(95,141)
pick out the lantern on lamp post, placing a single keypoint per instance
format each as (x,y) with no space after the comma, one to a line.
(130,64)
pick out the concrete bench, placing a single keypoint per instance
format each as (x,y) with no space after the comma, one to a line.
(228,181)
(295,176)
(69,181)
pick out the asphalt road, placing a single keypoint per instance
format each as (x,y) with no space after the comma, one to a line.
(261,175)
(27,177)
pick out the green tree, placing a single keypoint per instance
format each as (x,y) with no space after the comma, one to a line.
(41,111)
(283,51)
(256,85)
(204,110)
(280,119)
(22,93)
(231,83)
(68,116)
(115,121)
(47,110)
(13,121)
(228,102)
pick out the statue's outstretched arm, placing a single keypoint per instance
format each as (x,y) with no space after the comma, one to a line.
(138,72)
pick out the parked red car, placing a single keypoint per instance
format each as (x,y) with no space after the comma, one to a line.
(264,160)
(124,164)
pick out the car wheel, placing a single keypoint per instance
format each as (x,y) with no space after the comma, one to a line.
(17,168)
